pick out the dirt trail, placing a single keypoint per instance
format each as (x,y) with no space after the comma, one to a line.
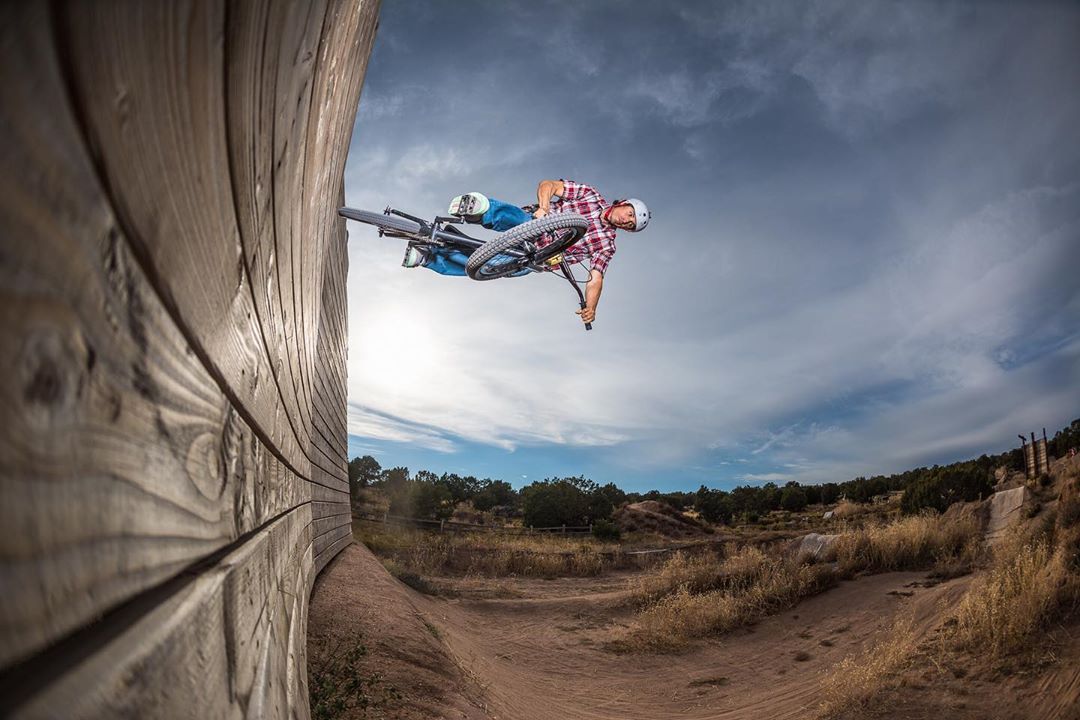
(541,657)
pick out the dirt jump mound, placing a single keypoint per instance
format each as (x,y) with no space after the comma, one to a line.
(658,518)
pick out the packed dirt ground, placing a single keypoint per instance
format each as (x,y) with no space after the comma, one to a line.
(534,648)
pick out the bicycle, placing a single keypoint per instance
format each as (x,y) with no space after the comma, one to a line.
(534,246)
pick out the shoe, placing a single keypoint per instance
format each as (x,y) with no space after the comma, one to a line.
(414,257)
(471,206)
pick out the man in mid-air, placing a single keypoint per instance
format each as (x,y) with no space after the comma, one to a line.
(597,246)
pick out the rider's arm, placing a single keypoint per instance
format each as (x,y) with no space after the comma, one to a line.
(544,191)
(593,288)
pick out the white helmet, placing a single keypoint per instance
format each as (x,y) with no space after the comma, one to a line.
(641,213)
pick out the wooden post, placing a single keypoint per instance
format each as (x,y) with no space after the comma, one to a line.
(1042,462)
(1029,458)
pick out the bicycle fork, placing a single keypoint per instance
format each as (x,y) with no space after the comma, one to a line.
(565,268)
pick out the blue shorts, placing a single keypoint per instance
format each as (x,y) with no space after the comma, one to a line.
(500,216)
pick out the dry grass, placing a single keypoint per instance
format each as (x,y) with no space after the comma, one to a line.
(697,595)
(699,572)
(855,681)
(755,586)
(422,553)
(916,542)
(1032,579)
(1014,599)
(847,510)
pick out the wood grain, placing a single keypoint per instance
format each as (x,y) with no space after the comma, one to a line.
(122,460)
(228,642)
(172,349)
(148,87)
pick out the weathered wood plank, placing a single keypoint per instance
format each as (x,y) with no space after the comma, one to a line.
(328,538)
(328,416)
(337,74)
(172,349)
(321,525)
(319,476)
(148,86)
(229,642)
(320,493)
(325,457)
(122,461)
(294,246)
(329,430)
(330,552)
(323,509)
(267,78)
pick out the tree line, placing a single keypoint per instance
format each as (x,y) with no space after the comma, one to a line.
(580,501)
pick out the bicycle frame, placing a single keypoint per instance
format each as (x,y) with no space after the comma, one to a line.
(433,234)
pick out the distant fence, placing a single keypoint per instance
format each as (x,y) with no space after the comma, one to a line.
(454,526)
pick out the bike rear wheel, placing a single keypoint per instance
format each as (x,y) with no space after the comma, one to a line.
(490,261)
(382,221)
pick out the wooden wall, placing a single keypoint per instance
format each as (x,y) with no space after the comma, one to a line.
(172,348)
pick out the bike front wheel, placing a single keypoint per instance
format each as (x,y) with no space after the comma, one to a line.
(381,220)
(515,250)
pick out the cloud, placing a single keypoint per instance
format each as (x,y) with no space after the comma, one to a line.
(864,243)
(376,107)
(757,478)
(367,423)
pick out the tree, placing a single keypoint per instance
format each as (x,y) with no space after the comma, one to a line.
(554,502)
(460,488)
(713,505)
(395,483)
(363,471)
(430,500)
(494,493)
(829,493)
(940,487)
(614,495)
(793,499)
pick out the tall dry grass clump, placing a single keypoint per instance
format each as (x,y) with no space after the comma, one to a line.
(701,572)
(856,680)
(1014,599)
(1034,577)
(915,542)
(757,585)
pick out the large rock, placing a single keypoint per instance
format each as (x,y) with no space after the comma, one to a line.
(814,546)
(1006,508)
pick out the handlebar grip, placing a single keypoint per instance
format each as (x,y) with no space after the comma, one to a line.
(588,326)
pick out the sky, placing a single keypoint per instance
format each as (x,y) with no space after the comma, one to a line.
(864,254)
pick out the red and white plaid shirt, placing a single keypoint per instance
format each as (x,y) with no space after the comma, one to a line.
(598,244)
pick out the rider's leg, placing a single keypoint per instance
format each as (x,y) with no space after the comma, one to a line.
(452,262)
(502,216)
(446,262)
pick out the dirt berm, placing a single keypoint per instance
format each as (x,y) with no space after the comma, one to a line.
(541,656)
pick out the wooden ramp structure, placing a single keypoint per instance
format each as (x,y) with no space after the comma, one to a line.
(173,470)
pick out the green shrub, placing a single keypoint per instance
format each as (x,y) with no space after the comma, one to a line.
(606,530)
(339,683)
